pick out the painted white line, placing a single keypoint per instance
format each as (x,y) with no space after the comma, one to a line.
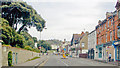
(64,63)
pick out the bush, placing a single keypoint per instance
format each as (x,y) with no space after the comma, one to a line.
(67,54)
(28,48)
(10,58)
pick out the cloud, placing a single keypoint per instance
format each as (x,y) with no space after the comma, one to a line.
(65,17)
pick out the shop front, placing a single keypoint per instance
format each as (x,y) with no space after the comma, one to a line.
(116,45)
(99,53)
(108,49)
(91,53)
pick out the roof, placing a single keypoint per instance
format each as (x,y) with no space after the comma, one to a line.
(76,36)
(117,5)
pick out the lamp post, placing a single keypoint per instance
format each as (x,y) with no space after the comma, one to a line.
(41,38)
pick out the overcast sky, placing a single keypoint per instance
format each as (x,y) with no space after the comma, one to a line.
(67,17)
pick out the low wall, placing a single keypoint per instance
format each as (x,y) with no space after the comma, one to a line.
(19,55)
(83,55)
(0,55)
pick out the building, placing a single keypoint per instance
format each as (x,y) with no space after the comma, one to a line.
(92,44)
(54,47)
(108,34)
(83,43)
(74,43)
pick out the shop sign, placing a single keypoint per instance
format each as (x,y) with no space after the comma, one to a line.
(116,43)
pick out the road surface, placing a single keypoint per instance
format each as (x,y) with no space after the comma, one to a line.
(56,60)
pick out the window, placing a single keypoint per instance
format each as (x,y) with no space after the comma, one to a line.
(105,26)
(119,14)
(118,32)
(111,22)
(110,36)
(102,27)
(106,37)
(108,23)
(83,45)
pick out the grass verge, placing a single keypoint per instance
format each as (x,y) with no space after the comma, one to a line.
(33,59)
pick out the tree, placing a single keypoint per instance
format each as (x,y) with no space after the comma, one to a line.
(10,36)
(44,44)
(28,38)
(20,12)
(35,39)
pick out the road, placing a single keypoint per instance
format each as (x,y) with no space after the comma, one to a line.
(56,60)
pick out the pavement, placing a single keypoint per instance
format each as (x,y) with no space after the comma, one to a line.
(35,62)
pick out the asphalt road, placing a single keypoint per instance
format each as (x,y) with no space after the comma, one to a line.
(56,60)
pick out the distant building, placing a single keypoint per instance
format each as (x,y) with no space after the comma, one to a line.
(74,43)
(54,47)
(36,45)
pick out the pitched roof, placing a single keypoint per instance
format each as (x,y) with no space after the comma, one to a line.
(76,36)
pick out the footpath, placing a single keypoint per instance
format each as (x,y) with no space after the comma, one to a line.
(35,62)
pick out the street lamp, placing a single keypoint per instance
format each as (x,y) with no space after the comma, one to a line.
(41,39)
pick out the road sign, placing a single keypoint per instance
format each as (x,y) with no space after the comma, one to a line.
(64,49)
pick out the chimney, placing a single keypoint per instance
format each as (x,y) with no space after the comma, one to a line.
(108,14)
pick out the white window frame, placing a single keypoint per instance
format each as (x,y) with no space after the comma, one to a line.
(110,36)
(106,37)
(83,44)
(105,25)
(119,14)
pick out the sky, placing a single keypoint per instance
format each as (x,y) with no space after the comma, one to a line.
(67,17)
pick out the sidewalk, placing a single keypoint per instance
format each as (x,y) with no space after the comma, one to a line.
(114,63)
(103,61)
(35,62)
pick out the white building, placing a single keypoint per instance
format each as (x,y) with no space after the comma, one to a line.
(54,47)
(92,45)
(35,45)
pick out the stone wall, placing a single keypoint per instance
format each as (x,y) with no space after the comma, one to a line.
(19,55)
(0,55)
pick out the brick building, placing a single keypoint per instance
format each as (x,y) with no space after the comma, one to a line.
(108,34)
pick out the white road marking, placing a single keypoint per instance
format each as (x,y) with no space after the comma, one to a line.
(64,63)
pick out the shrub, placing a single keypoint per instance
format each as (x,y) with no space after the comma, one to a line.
(10,58)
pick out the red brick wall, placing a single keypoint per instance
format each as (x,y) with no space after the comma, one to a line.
(102,31)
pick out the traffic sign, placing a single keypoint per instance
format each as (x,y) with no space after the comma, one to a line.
(64,49)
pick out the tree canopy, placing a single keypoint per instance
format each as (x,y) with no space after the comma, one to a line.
(21,12)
